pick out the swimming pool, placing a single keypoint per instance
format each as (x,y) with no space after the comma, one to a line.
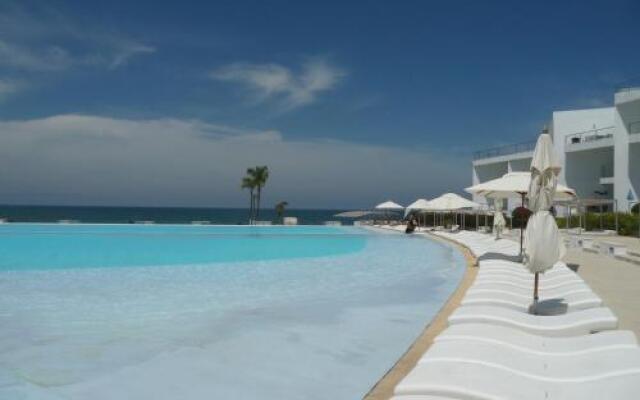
(202,312)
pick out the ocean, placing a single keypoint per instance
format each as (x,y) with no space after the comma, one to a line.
(160,215)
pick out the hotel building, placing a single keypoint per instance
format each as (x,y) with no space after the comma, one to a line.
(598,148)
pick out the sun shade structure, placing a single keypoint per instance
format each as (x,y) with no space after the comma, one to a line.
(356,214)
(389,206)
(451,202)
(514,184)
(418,205)
(543,245)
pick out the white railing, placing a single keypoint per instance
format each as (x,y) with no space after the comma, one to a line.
(589,136)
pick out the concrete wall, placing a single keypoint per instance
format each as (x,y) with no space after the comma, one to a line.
(634,174)
(627,112)
(566,123)
(583,170)
(520,165)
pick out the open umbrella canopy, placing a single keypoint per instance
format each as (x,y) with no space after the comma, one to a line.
(356,214)
(514,184)
(390,206)
(543,246)
(418,205)
(451,202)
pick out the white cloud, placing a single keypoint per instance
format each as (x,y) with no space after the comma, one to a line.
(274,81)
(74,159)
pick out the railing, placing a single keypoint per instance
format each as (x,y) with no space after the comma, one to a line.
(591,135)
(505,150)
(634,127)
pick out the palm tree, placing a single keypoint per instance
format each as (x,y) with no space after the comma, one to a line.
(280,210)
(260,176)
(248,183)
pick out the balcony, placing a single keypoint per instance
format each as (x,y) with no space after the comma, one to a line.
(505,150)
(634,128)
(591,135)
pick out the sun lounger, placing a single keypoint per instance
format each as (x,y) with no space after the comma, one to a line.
(584,366)
(529,286)
(528,294)
(526,278)
(524,341)
(473,381)
(546,306)
(576,323)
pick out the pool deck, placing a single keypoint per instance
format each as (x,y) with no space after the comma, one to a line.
(614,280)
(383,389)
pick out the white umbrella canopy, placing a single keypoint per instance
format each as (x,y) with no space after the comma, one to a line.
(451,202)
(543,246)
(515,184)
(390,206)
(418,205)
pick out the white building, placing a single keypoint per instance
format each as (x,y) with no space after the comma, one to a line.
(599,150)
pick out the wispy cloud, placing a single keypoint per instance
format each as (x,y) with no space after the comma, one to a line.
(276,82)
(43,39)
(8,87)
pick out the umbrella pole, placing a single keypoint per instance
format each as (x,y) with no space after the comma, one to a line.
(535,293)
(521,226)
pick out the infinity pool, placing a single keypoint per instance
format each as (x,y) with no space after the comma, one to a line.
(206,312)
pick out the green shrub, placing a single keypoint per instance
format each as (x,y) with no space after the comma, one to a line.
(627,223)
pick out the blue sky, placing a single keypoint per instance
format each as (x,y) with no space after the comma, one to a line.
(342,93)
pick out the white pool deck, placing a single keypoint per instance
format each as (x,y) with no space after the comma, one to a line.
(492,350)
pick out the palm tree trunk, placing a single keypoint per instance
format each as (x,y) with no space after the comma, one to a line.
(251,208)
(258,203)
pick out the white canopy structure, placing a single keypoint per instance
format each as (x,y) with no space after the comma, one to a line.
(543,245)
(418,205)
(514,184)
(451,202)
(389,206)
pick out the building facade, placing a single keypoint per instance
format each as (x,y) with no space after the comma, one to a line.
(598,148)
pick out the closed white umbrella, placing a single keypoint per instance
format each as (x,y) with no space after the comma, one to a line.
(498,220)
(543,245)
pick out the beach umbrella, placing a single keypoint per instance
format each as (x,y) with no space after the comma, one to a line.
(389,206)
(418,205)
(515,184)
(451,202)
(498,220)
(543,245)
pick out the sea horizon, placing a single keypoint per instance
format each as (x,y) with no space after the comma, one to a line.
(156,214)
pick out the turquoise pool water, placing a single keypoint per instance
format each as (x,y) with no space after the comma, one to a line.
(162,312)
(41,246)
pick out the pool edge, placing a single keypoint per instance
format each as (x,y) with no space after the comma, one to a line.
(383,389)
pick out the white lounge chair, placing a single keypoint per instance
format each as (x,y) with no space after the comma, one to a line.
(526,279)
(586,366)
(576,323)
(546,306)
(524,341)
(465,380)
